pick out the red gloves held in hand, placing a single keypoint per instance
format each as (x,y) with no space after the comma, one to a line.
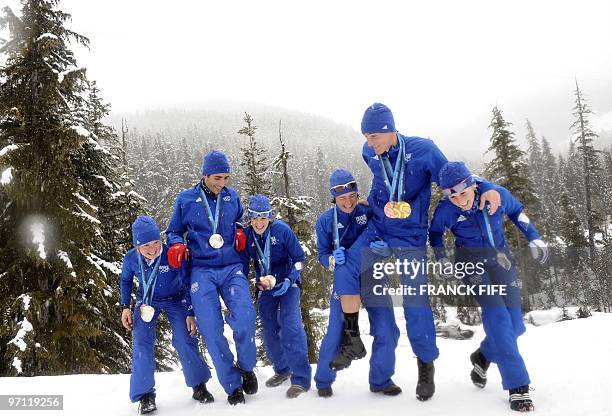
(176,254)
(241,240)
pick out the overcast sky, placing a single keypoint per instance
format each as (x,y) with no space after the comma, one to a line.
(440,65)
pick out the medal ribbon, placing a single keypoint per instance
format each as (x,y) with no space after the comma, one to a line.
(395,185)
(263,258)
(485,213)
(337,238)
(214,221)
(148,285)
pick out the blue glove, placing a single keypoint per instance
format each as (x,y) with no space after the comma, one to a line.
(283,288)
(381,248)
(339,256)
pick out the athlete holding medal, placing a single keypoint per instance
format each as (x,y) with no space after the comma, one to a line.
(403,169)
(279,260)
(160,289)
(210,214)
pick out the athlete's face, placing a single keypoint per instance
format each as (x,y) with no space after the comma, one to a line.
(260,224)
(150,250)
(217,181)
(347,202)
(465,198)
(381,142)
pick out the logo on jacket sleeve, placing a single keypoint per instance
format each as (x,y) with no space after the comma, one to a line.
(273,240)
(194,287)
(461,218)
(227,198)
(362,219)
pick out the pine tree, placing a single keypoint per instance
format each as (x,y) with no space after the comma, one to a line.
(295,210)
(253,161)
(55,294)
(590,161)
(509,169)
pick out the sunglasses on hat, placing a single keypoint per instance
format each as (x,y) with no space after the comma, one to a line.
(259,214)
(461,186)
(349,186)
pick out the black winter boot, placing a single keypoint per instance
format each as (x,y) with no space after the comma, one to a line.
(425,387)
(479,371)
(520,400)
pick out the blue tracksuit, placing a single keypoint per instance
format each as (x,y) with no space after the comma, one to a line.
(501,315)
(407,237)
(283,330)
(214,273)
(382,322)
(171,296)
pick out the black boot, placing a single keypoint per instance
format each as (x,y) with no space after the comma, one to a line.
(147,404)
(479,371)
(201,394)
(520,400)
(249,382)
(389,390)
(425,387)
(352,349)
(236,397)
(325,392)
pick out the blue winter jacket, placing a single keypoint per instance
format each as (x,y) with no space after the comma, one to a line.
(350,226)
(170,283)
(190,217)
(285,251)
(423,161)
(469,227)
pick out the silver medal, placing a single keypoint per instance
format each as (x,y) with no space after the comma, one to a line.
(503,260)
(146,312)
(216,241)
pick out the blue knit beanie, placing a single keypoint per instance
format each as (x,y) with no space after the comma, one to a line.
(454,173)
(377,119)
(144,230)
(215,162)
(259,206)
(342,177)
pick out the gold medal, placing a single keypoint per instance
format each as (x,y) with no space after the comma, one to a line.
(398,210)
(146,312)
(403,209)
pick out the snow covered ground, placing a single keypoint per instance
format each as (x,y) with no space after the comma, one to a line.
(570,364)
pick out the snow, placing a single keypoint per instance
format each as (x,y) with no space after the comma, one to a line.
(26,327)
(85,215)
(64,256)
(62,75)
(8,148)
(82,131)
(85,200)
(7,176)
(26,299)
(46,36)
(554,354)
(17,364)
(104,180)
(38,232)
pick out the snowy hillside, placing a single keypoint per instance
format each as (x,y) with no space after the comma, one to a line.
(570,364)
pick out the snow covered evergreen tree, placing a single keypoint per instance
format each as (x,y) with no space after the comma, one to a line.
(58,287)
(295,211)
(509,169)
(584,136)
(254,162)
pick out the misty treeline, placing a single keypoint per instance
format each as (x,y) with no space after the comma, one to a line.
(71,185)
